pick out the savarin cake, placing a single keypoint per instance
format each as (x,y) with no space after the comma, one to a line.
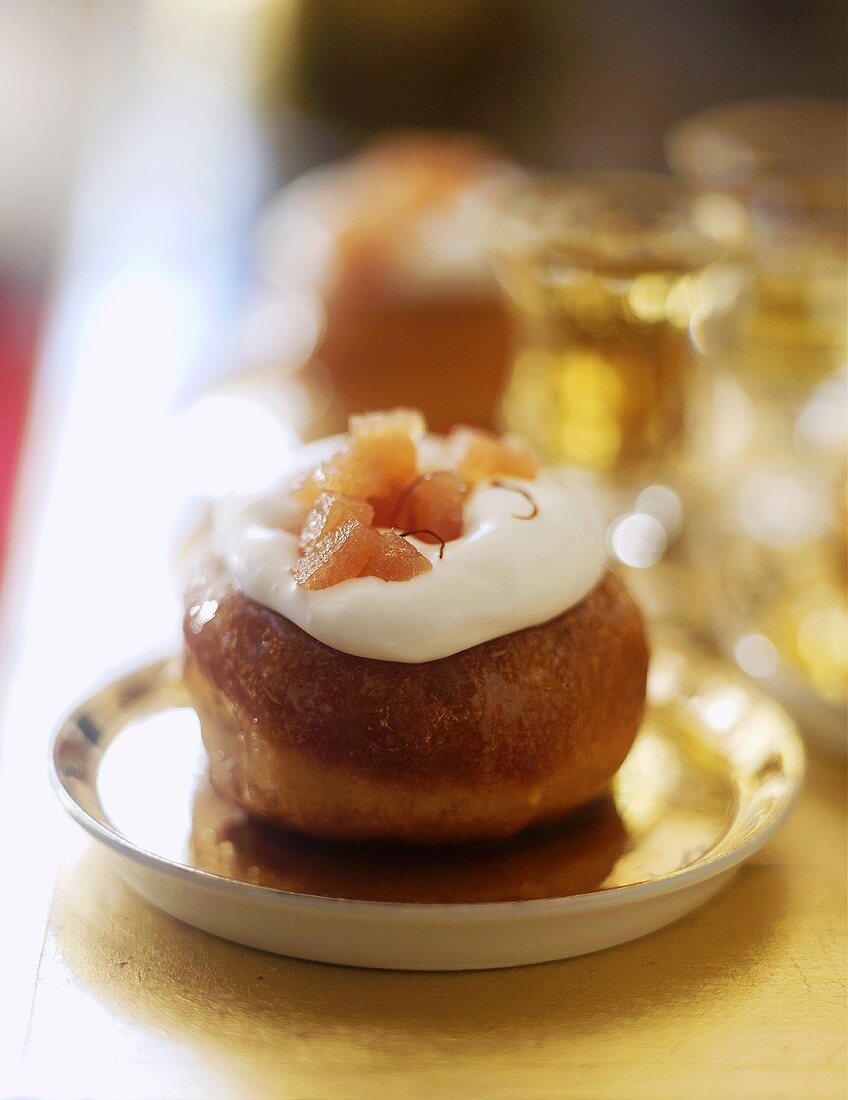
(414,638)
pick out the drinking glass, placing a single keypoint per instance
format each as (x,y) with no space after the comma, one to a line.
(617,282)
(785,159)
(773,544)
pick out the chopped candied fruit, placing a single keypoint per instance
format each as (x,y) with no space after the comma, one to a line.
(341,555)
(378,459)
(432,503)
(372,481)
(408,422)
(330,511)
(396,559)
(355,550)
(478,455)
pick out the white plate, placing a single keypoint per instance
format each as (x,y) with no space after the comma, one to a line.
(713,773)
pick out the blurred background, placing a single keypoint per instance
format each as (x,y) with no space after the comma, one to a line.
(226,224)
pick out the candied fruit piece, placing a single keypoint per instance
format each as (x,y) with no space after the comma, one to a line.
(396,559)
(328,477)
(433,502)
(341,555)
(378,459)
(383,448)
(408,422)
(478,455)
(330,511)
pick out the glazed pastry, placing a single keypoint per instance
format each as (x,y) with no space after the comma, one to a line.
(387,251)
(413,638)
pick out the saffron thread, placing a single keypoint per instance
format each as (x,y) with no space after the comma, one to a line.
(427,531)
(522,492)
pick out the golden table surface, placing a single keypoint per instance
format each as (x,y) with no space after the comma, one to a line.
(110,998)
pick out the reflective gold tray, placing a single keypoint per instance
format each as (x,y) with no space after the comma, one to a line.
(713,772)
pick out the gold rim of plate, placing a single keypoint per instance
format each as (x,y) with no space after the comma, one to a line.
(714,771)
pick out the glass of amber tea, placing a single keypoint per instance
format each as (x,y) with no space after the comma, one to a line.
(617,281)
(613,277)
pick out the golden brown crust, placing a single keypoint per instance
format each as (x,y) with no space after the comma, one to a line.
(519,729)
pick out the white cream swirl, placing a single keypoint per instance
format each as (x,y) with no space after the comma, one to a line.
(503,574)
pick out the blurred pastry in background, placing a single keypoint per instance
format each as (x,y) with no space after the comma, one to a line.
(375,290)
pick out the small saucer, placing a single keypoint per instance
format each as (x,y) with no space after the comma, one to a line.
(714,771)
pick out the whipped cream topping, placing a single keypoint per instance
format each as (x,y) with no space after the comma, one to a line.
(503,574)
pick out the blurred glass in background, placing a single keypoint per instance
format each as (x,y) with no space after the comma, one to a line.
(774,544)
(617,280)
(785,160)
(614,277)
